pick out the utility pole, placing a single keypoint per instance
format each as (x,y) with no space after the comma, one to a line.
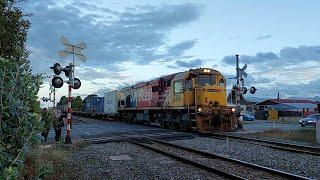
(238,87)
(54,97)
(53,100)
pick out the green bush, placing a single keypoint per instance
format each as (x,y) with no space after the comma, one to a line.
(19,108)
(19,114)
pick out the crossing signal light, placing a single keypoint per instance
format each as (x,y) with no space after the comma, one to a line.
(252,90)
(76,83)
(244,90)
(57,82)
(56,68)
(67,70)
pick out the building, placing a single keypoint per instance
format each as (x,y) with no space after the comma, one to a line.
(287,108)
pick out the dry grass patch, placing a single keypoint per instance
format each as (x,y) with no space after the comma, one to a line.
(48,162)
(304,135)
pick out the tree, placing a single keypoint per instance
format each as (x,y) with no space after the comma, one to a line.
(13,30)
(63,101)
(19,108)
(77,104)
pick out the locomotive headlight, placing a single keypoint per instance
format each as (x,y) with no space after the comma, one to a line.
(206,70)
(199,109)
(233,109)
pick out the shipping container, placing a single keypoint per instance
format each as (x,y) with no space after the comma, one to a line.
(110,103)
(93,103)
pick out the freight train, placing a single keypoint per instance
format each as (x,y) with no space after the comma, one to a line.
(194,99)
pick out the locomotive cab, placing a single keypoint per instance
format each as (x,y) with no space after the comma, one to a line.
(210,89)
(209,100)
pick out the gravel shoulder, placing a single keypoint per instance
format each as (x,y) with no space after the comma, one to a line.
(297,163)
(95,162)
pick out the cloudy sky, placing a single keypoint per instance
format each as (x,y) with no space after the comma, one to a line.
(130,41)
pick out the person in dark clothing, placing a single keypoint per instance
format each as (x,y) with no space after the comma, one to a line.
(58,124)
(47,118)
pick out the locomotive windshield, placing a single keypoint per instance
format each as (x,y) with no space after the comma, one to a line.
(206,79)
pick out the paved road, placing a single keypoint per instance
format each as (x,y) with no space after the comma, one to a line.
(91,127)
(87,129)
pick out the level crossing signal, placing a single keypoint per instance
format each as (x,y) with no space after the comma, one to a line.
(253,90)
(241,73)
(57,81)
(76,83)
(244,90)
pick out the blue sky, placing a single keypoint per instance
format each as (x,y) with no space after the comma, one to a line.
(131,41)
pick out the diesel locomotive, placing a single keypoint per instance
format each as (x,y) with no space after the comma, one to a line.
(194,99)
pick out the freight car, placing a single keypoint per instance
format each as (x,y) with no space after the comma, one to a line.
(93,104)
(194,99)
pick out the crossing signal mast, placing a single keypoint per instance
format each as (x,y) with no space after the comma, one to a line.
(73,83)
(52,89)
(241,89)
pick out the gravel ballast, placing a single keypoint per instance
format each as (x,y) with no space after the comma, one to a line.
(95,162)
(296,163)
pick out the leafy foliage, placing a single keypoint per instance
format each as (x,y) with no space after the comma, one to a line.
(19,108)
(19,115)
(77,104)
(63,101)
(13,30)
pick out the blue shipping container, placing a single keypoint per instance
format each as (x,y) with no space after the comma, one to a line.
(93,103)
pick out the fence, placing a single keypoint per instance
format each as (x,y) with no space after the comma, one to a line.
(283,115)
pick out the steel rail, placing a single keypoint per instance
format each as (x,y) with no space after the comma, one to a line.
(267,143)
(255,166)
(273,144)
(188,161)
(196,164)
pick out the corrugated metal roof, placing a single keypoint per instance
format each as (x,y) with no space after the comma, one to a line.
(303,105)
(282,106)
(294,101)
(287,101)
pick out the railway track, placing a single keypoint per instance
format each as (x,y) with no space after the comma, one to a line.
(267,143)
(213,163)
(272,144)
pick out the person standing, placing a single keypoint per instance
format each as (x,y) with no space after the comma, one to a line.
(47,119)
(58,124)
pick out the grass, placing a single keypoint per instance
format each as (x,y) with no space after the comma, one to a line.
(47,162)
(304,135)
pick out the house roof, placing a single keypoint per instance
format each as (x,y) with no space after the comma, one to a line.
(294,101)
(286,101)
(282,106)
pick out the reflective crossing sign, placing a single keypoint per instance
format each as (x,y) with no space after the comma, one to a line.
(273,115)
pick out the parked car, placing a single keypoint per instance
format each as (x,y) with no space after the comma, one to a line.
(248,117)
(309,120)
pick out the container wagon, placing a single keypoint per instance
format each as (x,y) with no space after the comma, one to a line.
(93,105)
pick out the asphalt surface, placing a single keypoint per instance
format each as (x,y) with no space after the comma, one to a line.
(91,127)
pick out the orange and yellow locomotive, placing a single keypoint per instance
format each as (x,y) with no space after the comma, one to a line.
(194,99)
